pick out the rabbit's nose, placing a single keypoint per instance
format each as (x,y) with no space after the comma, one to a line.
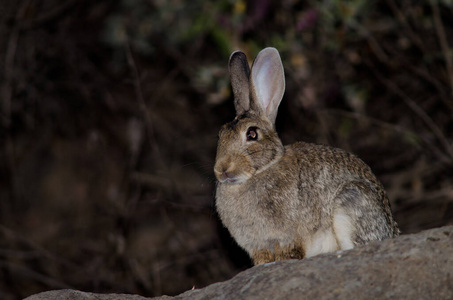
(224,173)
(228,177)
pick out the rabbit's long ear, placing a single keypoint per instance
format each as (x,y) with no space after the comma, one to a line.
(239,76)
(268,82)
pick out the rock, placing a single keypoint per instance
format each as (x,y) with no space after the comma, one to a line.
(416,266)
(78,295)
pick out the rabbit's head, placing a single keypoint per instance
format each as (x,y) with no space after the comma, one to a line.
(249,144)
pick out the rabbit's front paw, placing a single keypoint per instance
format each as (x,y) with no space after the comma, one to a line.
(295,251)
(289,252)
(264,256)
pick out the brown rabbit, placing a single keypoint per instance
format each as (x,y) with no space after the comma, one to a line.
(295,201)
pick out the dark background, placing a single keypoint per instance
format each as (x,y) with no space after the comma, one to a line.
(110,112)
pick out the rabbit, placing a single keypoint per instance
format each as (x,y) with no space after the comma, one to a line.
(295,201)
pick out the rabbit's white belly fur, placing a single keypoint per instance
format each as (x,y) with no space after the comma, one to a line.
(342,225)
(321,242)
(339,237)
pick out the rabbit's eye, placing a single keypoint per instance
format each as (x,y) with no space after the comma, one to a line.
(252,134)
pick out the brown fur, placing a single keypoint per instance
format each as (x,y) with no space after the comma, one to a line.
(284,202)
(294,251)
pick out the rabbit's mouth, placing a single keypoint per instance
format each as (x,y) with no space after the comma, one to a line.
(230,175)
(230,178)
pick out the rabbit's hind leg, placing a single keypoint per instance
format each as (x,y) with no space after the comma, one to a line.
(358,217)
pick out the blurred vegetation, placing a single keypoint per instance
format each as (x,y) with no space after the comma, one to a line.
(110,110)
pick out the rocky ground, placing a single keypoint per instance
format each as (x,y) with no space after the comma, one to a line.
(417,266)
